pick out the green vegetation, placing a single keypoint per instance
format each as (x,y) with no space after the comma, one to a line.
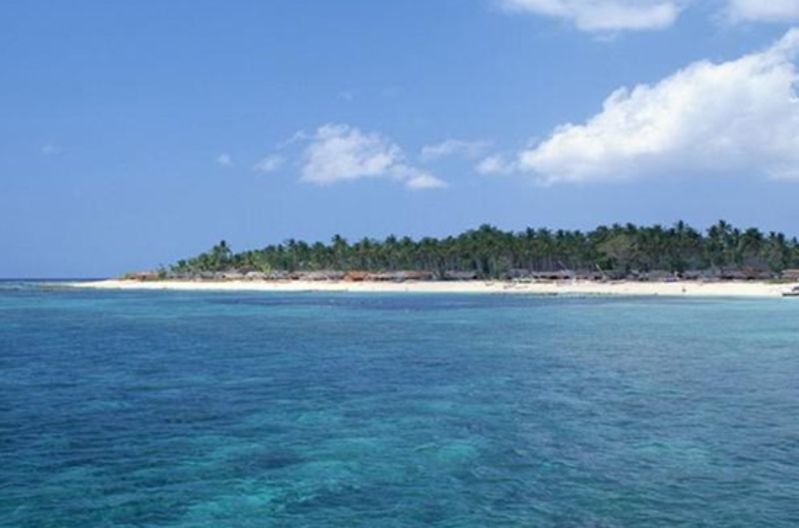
(487,252)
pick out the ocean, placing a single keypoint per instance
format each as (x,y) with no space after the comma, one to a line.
(181,409)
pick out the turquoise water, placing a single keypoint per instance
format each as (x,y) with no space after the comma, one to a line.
(306,410)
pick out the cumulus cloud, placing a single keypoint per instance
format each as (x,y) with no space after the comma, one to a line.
(269,164)
(763,10)
(603,15)
(419,180)
(454,147)
(741,115)
(339,153)
(224,160)
(495,165)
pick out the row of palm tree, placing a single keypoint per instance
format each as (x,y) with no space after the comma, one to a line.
(492,252)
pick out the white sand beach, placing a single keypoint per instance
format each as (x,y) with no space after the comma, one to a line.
(629,288)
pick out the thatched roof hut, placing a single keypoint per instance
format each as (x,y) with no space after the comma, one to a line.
(590,275)
(791,274)
(559,275)
(459,275)
(732,275)
(657,276)
(747,274)
(319,275)
(356,276)
(401,276)
(142,276)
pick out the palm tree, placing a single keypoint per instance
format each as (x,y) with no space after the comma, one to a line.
(340,250)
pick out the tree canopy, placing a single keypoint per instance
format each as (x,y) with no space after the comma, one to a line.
(489,252)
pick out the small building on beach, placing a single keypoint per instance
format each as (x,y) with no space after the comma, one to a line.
(142,276)
(791,275)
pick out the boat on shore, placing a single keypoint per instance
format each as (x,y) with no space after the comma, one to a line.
(793,293)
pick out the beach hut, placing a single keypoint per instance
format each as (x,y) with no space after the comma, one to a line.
(791,275)
(518,274)
(559,275)
(322,275)
(356,276)
(417,275)
(401,276)
(746,274)
(734,275)
(657,276)
(142,276)
(459,275)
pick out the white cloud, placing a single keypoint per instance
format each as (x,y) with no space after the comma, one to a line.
(454,147)
(269,164)
(340,153)
(425,181)
(418,180)
(495,165)
(763,10)
(741,115)
(224,160)
(296,137)
(603,15)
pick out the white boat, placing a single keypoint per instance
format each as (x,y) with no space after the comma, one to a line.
(793,293)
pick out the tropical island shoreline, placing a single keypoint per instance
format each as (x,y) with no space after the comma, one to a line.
(677,261)
(751,289)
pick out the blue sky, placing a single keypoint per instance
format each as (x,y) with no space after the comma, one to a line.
(136,133)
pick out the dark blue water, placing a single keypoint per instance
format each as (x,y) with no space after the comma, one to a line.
(303,410)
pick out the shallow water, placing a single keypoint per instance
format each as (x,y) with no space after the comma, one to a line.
(243,409)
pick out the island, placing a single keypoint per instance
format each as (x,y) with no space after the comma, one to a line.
(620,259)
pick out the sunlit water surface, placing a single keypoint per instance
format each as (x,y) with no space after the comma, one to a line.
(157,409)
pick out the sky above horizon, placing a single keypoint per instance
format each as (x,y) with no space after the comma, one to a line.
(136,133)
